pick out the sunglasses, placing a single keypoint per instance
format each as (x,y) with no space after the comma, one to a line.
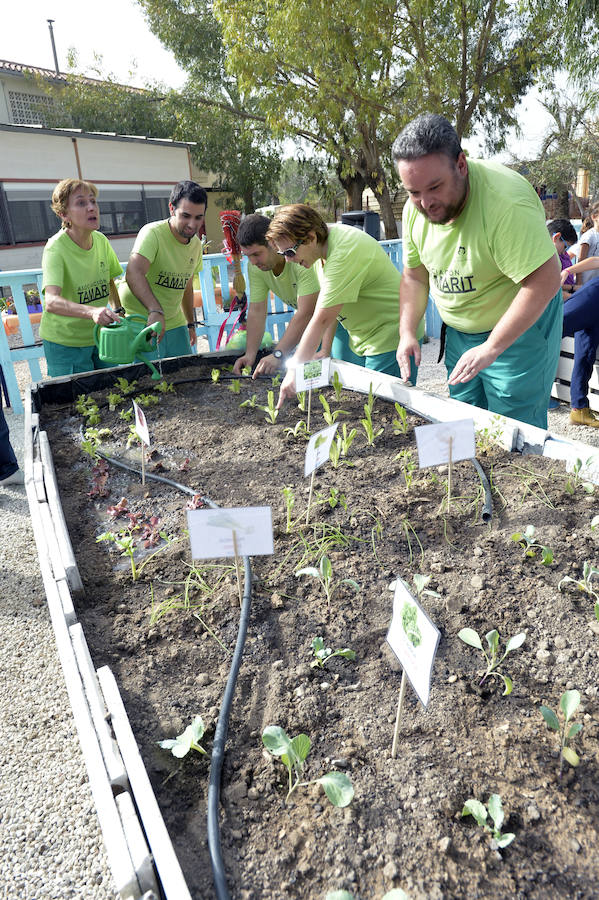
(290,252)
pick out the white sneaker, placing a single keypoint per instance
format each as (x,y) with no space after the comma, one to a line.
(15,478)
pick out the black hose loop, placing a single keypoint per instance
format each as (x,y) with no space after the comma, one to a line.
(487,512)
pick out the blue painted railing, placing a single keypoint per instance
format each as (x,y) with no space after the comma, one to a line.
(213,315)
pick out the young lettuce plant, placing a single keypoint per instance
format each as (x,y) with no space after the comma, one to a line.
(367,424)
(493,660)
(293,753)
(478,810)
(270,409)
(189,740)
(324,574)
(300,430)
(329,417)
(337,386)
(400,424)
(322,654)
(235,386)
(526,540)
(569,703)
(215,375)
(251,403)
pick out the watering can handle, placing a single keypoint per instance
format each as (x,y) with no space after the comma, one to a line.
(140,342)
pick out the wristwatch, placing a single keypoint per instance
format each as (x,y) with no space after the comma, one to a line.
(277,354)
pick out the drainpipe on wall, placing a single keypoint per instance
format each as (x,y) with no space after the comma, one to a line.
(53,45)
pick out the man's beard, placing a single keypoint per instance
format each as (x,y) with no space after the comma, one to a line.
(449,212)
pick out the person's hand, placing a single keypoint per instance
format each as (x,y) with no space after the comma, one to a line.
(268,365)
(471,363)
(242,362)
(287,388)
(157,317)
(408,347)
(104,315)
(193,338)
(322,354)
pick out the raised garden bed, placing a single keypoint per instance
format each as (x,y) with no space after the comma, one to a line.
(170,648)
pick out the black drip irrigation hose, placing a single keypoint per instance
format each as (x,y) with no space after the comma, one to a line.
(222,725)
(488,504)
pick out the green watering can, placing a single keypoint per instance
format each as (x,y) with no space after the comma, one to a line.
(123,342)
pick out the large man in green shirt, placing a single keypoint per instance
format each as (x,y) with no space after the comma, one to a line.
(164,259)
(474,234)
(295,286)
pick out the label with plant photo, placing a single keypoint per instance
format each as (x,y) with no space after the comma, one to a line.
(318,449)
(312,374)
(414,640)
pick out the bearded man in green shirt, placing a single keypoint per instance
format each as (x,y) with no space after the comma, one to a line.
(295,286)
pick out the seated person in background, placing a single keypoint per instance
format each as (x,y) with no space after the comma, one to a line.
(589,244)
(581,320)
(269,271)
(161,267)
(563,234)
(78,271)
(358,283)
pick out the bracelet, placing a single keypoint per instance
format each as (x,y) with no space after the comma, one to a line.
(159,312)
(191,324)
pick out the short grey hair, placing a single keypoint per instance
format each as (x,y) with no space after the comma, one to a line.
(428,133)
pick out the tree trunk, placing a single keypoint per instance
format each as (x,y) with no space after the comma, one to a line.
(381,192)
(353,185)
(563,203)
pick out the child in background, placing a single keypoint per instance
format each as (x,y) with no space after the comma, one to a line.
(589,245)
(563,234)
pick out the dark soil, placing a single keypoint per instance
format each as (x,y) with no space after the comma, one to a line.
(404,827)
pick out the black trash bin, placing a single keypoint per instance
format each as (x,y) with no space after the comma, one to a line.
(365,220)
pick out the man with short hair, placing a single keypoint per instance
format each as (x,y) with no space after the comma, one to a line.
(474,233)
(164,259)
(269,271)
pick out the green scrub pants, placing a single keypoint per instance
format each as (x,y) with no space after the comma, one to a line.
(380,362)
(63,360)
(174,343)
(518,383)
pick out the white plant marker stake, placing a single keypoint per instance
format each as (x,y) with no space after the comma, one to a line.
(143,433)
(237,567)
(310,497)
(143,464)
(402,691)
(449,464)
(317,453)
(309,407)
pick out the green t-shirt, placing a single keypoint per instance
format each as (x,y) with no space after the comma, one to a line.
(83,276)
(358,274)
(293,282)
(172,264)
(476,263)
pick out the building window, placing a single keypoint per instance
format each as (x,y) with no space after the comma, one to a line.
(29,109)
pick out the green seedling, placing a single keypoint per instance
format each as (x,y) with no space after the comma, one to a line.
(594,523)
(270,409)
(346,438)
(370,402)
(491,435)
(148,400)
(337,386)
(132,437)
(246,371)
(334,498)
(126,387)
(215,375)
(126,414)
(409,466)
(276,380)
(293,753)
(289,504)
(86,405)
(302,397)
(299,431)
(493,660)
(400,423)
(569,703)
(478,810)
(335,454)
(329,417)
(164,387)
(584,584)
(251,403)
(235,386)
(526,539)
(420,583)
(322,654)
(125,542)
(114,399)
(189,740)
(575,478)
(92,439)
(324,574)
(367,424)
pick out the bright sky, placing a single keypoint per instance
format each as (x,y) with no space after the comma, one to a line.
(117,30)
(114,28)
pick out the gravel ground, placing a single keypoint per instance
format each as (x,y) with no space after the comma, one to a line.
(50,841)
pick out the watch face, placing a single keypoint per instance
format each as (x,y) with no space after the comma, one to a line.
(277,354)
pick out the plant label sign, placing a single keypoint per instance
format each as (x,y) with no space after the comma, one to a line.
(141,426)
(414,640)
(318,449)
(243,531)
(445,442)
(312,374)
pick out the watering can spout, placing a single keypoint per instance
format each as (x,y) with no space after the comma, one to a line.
(121,343)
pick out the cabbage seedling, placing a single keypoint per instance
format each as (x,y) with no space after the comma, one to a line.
(189,740)
(478,810)
(526,539)
(324,573)
(322,654)
(584,584)
(569,702)
(575,478)
(493,660)
(293,753)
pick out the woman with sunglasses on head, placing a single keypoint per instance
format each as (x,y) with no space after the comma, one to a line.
(359,286)
(78,267)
